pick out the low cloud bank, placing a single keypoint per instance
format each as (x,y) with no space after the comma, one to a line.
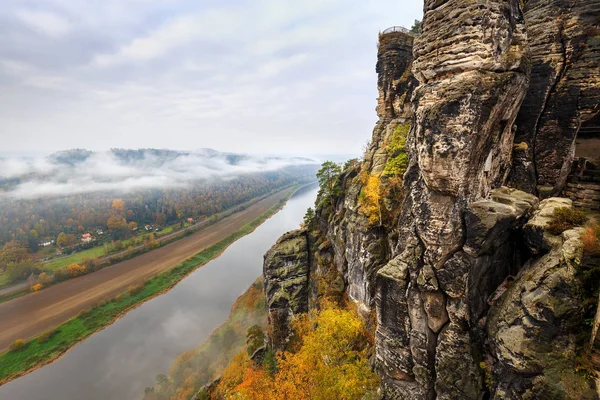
(80,171)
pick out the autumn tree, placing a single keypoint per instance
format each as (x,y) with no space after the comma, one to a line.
(161,219)
(371,199)
(233,375)
(132,226)
(13,252)
(330,362)
(44,279)
(21,270)
(65,239)
(116,223)
(118,205)
(75,270)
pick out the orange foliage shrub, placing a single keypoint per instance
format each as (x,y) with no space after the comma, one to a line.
(75,270)
(591,240)
(233,375)
(36,287)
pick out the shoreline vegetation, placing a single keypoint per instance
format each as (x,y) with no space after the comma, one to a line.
(162,240)
(196,367)
(28,355)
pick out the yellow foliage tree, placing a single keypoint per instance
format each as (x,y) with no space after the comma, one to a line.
(233,375)
(118,205)
(116,223)
(75,270)
(330,363)
(44,279)
(371,198)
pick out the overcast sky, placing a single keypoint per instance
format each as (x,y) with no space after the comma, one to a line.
(258,76)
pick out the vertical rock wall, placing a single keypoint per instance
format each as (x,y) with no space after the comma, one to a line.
(564,37)
(472,63)
(286,272)
(361,247)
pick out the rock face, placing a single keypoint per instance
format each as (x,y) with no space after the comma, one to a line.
(534,330)
(564,37)
(450,255)
(286,273)
(474,298)
(360,246)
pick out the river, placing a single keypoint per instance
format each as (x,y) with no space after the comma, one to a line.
(123,359)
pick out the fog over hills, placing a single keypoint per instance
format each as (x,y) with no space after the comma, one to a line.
(82,171)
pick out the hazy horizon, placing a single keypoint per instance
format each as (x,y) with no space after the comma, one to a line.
(78,171)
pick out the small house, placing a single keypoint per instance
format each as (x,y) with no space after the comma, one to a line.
(86,238)
(190,220)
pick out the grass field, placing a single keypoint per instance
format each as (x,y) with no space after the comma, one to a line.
(37,352)
(73,258)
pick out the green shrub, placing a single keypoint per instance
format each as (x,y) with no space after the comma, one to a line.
(396,149)
(565,218)
(44,337)
(17,345)
(270,362)
(135,289)
(254,339)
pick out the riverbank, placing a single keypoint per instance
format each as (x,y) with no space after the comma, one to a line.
(35,354)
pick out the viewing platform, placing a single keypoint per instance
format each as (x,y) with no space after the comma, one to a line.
(396,29)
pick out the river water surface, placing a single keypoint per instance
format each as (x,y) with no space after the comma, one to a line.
(121,360)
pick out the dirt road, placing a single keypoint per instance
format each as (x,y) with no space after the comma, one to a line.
(30,315)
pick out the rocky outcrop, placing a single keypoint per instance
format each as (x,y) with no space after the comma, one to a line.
(564,37)
(286,273)
(360,245)
(583,185)
(430,320)
(535,329)
(473,65)
(460,268)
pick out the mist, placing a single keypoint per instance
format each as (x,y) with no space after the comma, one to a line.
(81,171)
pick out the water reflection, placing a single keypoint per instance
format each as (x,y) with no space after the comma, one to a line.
(121,360)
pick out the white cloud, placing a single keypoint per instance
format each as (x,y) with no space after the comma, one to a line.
(173,34)
(44,22)
(104,171)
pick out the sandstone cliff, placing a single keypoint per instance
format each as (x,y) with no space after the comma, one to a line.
(564,38)
(474,297)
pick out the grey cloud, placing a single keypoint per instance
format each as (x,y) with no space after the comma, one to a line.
(279,76)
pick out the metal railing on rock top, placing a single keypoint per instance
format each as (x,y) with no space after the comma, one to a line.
(396,29)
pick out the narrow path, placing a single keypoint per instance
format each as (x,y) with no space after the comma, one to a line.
(13,288)
(34,313)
